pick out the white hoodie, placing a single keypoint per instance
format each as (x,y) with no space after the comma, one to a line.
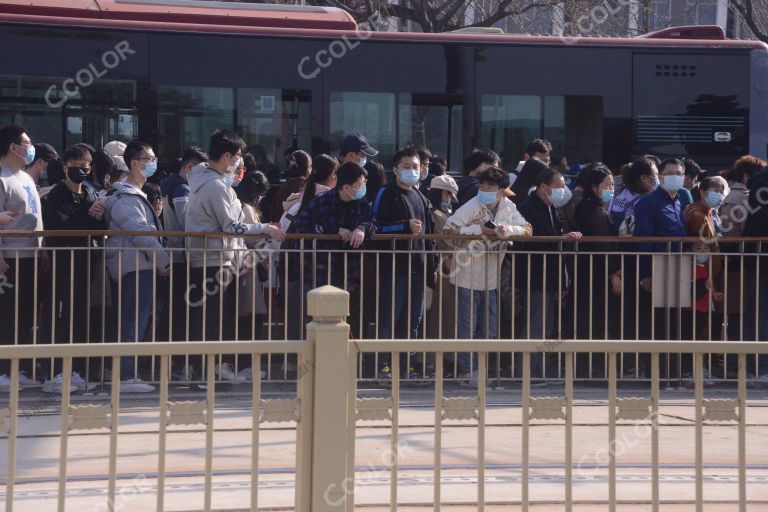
(213,207)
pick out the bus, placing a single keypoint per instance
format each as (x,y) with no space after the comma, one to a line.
(171,71)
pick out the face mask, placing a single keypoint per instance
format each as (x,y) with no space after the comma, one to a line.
(714,199)
(107,180)
(606,195)
(446,206)
(410,176)
(487,197)
(234,167)
(44,175)
(76,174)
(29,156)
(228,180)
(656,182)
(557,195)
(702,258)
(673,183)
(235,182)
(363,161)
(359,194)
(150,168)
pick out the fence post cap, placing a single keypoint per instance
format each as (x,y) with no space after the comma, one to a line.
(328,303)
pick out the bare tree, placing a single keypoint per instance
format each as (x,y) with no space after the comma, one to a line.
(754,14)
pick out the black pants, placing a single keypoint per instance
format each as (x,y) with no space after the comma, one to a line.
(19,281)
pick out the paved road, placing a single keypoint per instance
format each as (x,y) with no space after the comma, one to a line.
(37,465)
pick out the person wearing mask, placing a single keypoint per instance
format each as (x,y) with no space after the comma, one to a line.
(475,268)
(693,174)
(342,210)
(102,168)
(134,262)
(213,207)
(474,164)
(539,153)
(38,169)
(355,149)
(20,210)
(568,212)
(659,214)
(537,148)
(401,209)
(441,310)
(322,180)
(735,210)
(597,271)
(298,172)
(546,274)
(640,178)
(424,156)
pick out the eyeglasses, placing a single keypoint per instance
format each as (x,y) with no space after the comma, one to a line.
(150,159)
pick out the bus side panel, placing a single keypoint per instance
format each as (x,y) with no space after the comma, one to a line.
(758,105)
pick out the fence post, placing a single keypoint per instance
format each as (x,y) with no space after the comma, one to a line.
(332,476)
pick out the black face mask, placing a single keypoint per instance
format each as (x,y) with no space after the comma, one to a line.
(77,174)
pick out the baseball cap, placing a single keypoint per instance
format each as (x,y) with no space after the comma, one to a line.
(115,148)
(354,143)
(445,182)
(120,163)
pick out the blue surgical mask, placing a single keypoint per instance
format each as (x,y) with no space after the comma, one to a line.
(714,199)
(150,168)
(702,258)
(487,197)
(228,180)
(29,157)
(446,206)
(557,195)
(363,161)
(656,182)
(673,183)
(409,176)
(606,195)
(359,194)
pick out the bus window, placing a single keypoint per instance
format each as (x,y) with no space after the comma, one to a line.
(372,114)
(433,121)
(573,124)
(188,116)
(273,122)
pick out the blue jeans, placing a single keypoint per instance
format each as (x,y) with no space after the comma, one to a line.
(406,322)
(477,317)
(130,331)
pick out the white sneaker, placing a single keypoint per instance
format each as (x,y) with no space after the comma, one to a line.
(225,371)
(5,384)
(57,385)
(135,386)
(24,380)
(81,383)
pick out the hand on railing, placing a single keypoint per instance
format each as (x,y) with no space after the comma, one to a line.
(96,210)
(275,233)
(573,235)
(415,226)
(616,283)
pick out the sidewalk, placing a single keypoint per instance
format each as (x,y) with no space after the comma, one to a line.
(38,450)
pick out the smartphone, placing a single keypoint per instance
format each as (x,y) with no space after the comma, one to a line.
(490,224)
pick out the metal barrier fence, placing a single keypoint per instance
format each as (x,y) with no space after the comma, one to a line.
(531,288)
(327,408)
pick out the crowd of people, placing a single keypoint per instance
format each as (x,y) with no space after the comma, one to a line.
(549,283)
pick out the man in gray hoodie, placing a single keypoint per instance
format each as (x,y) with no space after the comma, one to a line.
(213,207)
(134,262)
(19,211)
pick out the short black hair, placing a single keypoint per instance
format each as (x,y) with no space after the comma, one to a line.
(224,141)
(44,152)
(424,154)
(494,176)
(133,150)
(102,165)
(538,146)
(193,154)
(348,174)
(253,185)
(87,147)
(153,192)
(478,158)
(76,152)
(709,182)
(250,162)
(406,152)
(56,171)
(653,158)
(10,134)
(670,161)
(437,166)
(692,168)
(547,177)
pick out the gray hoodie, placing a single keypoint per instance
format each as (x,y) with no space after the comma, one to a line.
(213,207)
(18,194)
(127,209)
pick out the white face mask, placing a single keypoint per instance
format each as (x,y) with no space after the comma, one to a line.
(234,167)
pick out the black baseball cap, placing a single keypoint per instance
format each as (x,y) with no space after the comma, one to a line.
(354,143)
